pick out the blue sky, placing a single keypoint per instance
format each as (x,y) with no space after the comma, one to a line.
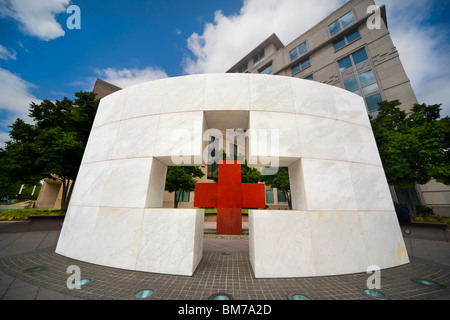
(128,42)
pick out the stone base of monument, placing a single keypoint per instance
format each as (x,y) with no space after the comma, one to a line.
(168,241)
(285,244)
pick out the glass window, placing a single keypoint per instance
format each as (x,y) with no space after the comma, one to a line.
(342,23)
(335,27)
(348,19)
(305,64)
(367,78)
(258,58)
(269,196)
(212,157)
(309,78)
(353,36)
(281,196)
(243,68)
(351,84)
(370,88)
(182,196)
(345,63)
(296,69)
(293,54)
(360,56)
(372,102)
(339,44)
(267,70)
(302,48)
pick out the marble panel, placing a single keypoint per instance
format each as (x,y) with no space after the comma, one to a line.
(272,136)
(360,144)
(280,244)
(227,92)
(313,98)
(350,107)
(101,143)
(297,184)
(271,94)
(110,108)
(116,235)
(156,183)
(126,185)
(144,99)
(370,187)
(90,182)
(337,242)
(184,94)
(171,241)
(321,138)
(179,135)
(383,238)
(136,137)
(329,185)
(77,233)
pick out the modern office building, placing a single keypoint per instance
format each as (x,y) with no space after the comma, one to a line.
(344,50)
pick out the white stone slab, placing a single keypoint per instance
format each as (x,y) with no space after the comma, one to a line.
(126,184)
(338,242)
(383,238)
(226,93)
(168,241)
(269,95)
(323,243)
(144,99)
(313,98)
(321,138)
(350,107)
(101,143)
(110,108)
(328,185)
(273,138)
(280,244)
(171,241)
(135,137)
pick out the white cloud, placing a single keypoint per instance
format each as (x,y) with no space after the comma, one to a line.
(6,53)
(124,77)
(229,38)
(423,47)
(36,17)
(4,137)
(16,98)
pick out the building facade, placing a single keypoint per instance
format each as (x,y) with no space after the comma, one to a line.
(344,50)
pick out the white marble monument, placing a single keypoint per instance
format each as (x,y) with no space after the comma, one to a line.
(343,219)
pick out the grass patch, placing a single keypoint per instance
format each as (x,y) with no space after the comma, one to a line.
(24,214)
(432,219)
(214,210)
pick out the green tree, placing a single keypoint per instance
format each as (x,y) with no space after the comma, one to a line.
(248,174)
(414,148)
(181,179)
(53,146)
(280,180)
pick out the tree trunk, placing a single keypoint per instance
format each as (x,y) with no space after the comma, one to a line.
(287,194)
(66,194)
(175,200)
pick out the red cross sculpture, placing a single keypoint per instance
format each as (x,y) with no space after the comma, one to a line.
(229,195)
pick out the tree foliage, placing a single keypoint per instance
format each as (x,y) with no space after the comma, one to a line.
(181,178)
(53,146)
(280,180)
(414,148)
